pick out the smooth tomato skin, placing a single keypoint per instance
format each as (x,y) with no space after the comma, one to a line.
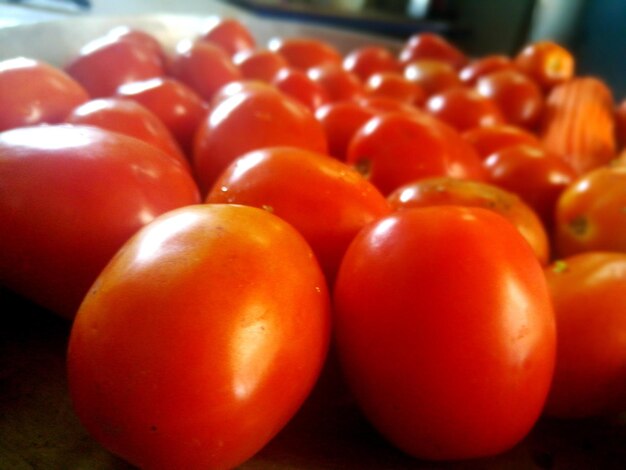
(304,53)
(546,62)
(396,86)
(432,46)
(130,118)
(259,64)
(368,60)
(446,191)
(433,347)
(394,149)
(434,76)
(140,37)
(338,83)
(248,121)
(178,106)
(327,201)
(589,299)
(490,139)
(300,86)
(229,34)
(481,66)
(200,339)
(72,196)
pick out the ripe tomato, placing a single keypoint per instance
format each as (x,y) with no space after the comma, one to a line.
(432,46)
(239,86)
(589,299)
(248,121)
(433,76)
(259,64)
(590,213)
(34,92)
(300,86)
(519,98)
(546,62)
(179,107)
(446,191)
(338,83)
(130,118)
(477,68)
(203,66)
(304,53)
(488,140)
(105,63)
(464,108)
(145,40)
(368,60)
(442,322)
(325,200)
(385,104)
(200,339)
(72,196)
(229,34)
(394,149)
(395,86)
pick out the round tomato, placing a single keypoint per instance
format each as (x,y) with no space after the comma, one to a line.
(368,60)
(442,322)
(229,34)
(259,64)
(34,92)
(546,62)
(145,40)
(72,195)
(589,299)
(338,83)
(395,86)
(446,191)
(325,200)
(470,74)
(433,76)
(490,139)
(432,46)
(304,53)
(200,339)
(300,86)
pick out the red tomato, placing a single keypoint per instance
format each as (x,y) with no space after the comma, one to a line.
(72,196)
(394,149)
(368,60)
(129,118)
(519,98)
(259,64)
(240,86)
(537,176)
(104,64)
(433,76)
(248,121)
(297,84)
(325,200)
(305,53)
(546,62)
(620,123)
(145,40)
(464,108)
(385,104)
(394,85)
(338,83)
(33,92)
(203,66)
(446,191)
(482,66)
(200,339)
(589,301)
(229,34)
(432,46)
(442,322)
(179,107)
(488,140)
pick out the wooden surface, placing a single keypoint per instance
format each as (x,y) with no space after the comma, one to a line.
(38,429)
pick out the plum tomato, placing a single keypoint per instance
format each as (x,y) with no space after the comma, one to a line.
(396,86)
(200,339)
(367,60)
(546,62)
(481,66)
(327,201)
(446,191)
(432,46)
(442,321)
(587,291)
(300,86)
(259,64)
(434,76)
(229,34)
(488,140)
(72,196)
(304,53)
(35,92)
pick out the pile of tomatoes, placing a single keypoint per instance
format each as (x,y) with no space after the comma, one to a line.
(214,218)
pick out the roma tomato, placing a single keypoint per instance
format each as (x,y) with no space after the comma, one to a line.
(200,339)
(451,191)
(432,46)
(248,121)
(546,62)
(589,301)
(434,76)
(325,200)
(368,60)
(72,196)
(229,34)
(34,92)
(442,321)
(490,139)
(394,149)
(304,53)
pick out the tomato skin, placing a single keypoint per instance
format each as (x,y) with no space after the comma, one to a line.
(476,69)
(464,108)
(200,339)
(229,34)
(304,53)
(395,86)
(327,201)
(434,76)
(34,92)
(589,300)
(490,139)
(300,86)
(259,64)
(546,62)
(114,184)
(368,60)
(338,83)
(433,349)
(432,46)
(142,38)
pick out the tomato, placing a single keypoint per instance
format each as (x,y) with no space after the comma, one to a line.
(72,196)
(394,149)
(432,46)
(519,98)
(589,301)
(394,85)
(240,86)
(385,104)
(464,108)
(130,118)
(325,200)
(200,339)
(203,66)
(546,62)
(259,64)
(248,121)
(590,215)
(446,191)
(367,60)
(34,92)
(490,139)
(442,322)
(229,34)
(145,40)
(432,75)
(105,63)
(300,86)
(179,107)
(537,176)
(338,83)
(341,120)
(304,53)
(620,123)
(481,66)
